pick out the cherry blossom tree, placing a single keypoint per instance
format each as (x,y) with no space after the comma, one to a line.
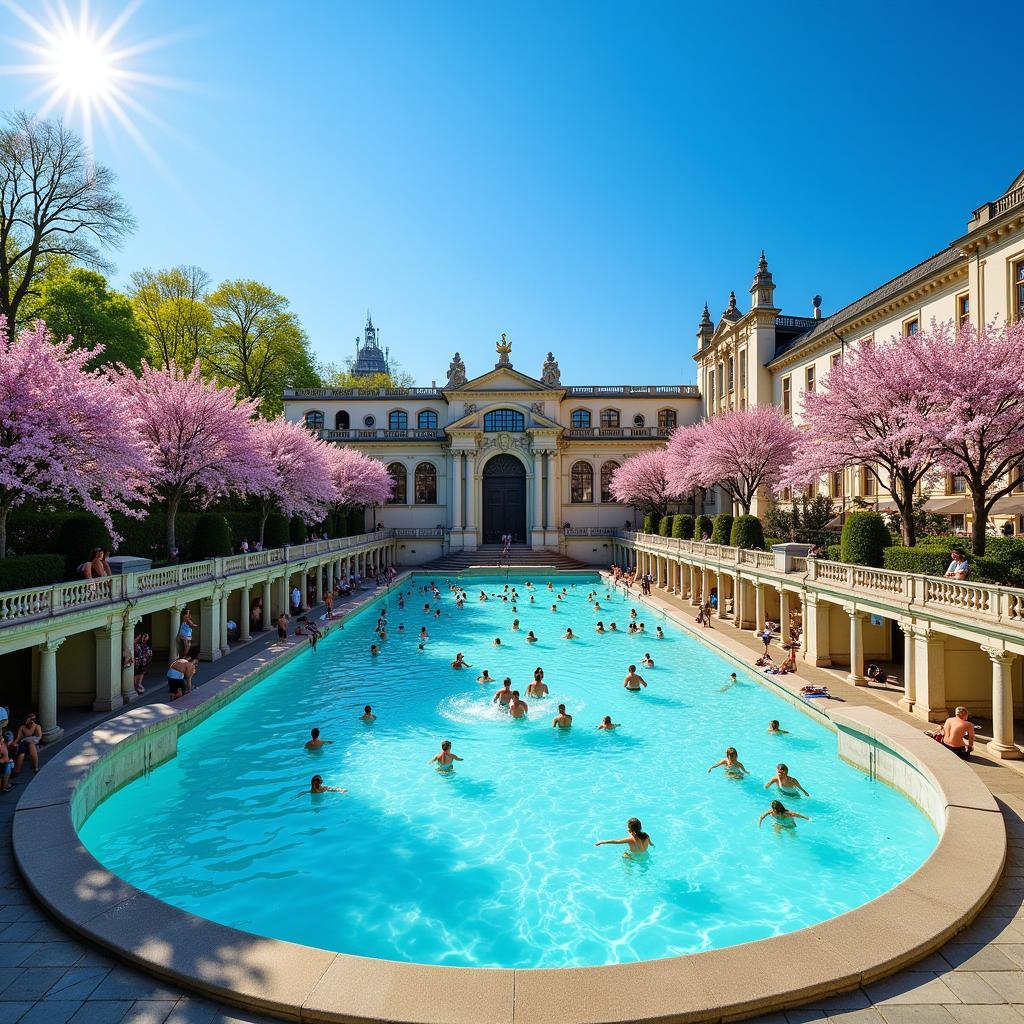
(358,479)
(201,441)
(869,412)
(740,451)
(64,433)
(300,481)
(642,481)
(975,420)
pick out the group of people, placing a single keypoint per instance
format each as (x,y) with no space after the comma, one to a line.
(15,748)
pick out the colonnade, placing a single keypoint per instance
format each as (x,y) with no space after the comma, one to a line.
(746,598)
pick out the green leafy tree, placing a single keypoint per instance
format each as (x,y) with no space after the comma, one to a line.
(78,302)
(334,376)
(257,344)
(170,310)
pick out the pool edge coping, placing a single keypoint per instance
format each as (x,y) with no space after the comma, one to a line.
(305,983)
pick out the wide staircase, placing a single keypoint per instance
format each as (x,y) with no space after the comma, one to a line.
(491,555)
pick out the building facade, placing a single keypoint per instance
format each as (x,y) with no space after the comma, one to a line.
(764,356)
(502,453)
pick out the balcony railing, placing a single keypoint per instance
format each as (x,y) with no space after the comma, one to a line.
(297,393)
(383,434)
(641,390)
(419,533)
(636,433)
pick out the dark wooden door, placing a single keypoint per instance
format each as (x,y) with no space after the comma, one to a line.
(504,499)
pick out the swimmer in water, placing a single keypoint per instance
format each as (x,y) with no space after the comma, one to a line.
(731,763)
(773,728)
(538,688)
(367,715)
(460,661)
(497,642)
(554,607)
(597,606)
(569,634)
(401,627)
(638,840)
(423,633)
(659,634)
(613,628)
(788,786)
(733,681)
(504,695)
(780,816)
(316,785)
(314,742)
(531,599)
(633,682)
(561,720)
(374,650)
(530,638)
(515,625)
(445,761)
(648,661)
(609,724)
(485,677)
(599,628)
(517,708)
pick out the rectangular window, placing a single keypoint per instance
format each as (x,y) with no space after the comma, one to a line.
(958,523)
(957,484)
(809,378)
(743,369)
(835,359)
(711,390)
(1018,290)
(869,482)
(836,485)
(732,374)
(787,396)
(911,327)
(963,309)
(721,380)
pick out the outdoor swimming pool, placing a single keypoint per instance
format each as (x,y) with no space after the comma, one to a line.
(495,864)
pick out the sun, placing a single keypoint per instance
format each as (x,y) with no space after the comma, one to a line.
(81,66)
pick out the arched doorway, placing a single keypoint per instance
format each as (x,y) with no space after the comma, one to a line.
(504,499)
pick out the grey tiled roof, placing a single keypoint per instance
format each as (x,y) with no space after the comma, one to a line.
(933,265)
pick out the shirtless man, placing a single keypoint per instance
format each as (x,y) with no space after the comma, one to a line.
(517,708)
(27,742)
(485,677)
(958,734)
(504,695)
(445,761)
(633,682)
(368,715)
(314,742)
(787,784)
(561,720)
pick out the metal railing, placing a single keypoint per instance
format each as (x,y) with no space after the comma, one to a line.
(17,606)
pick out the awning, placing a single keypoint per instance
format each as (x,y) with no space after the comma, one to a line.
(1010,505)
(955,505)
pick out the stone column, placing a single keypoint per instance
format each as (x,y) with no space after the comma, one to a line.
(108,667)
(1002,745)
(537,533)
(48,690)
(816,632)
(784,614)
(304,590)
(705,586)
(128,693)
(722,577)
(174,623)
(856,675)
(554,489)
(694,596)
(909,697)
(930,675)
(224,649)
(738,603)
(209,628)
(470,541)
(456,490)
(268,611)
(758,606)
(243,613)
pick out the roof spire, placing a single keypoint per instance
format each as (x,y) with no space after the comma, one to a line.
(762,289)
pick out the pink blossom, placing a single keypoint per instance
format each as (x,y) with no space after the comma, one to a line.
(642,481)
(358,479)
(300,481)
(201,441)
(740,451)
(64,432)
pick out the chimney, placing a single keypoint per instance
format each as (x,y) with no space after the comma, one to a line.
(816,303)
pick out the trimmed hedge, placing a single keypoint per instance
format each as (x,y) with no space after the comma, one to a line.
(33,533)
(702,525)
(722,532)
(933,560)
(275,533)
(864,539)
(80,533)
(212,537)
(22,571)
(651,522)
(835,552)
(770,542)
(683,526)
(747,532)
(665,526)
(296,530)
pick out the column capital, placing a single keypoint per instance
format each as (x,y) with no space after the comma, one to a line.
(1000,656)
(908,629)
(52,646)
(854,612)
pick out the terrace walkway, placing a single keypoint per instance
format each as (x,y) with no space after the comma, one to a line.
(47,976)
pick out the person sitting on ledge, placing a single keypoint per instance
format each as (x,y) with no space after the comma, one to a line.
(26,743)
(958,565)
(957,734)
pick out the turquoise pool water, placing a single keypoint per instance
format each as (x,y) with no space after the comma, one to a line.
(495,865)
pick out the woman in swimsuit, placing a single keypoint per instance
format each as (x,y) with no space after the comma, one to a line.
(460,661)
(780,816)
(638,840)
(609,724)
(316,785)
(788,786)
(569,634)
(599,628)
(530,638)
(179,676)
(731,763)
(445,760)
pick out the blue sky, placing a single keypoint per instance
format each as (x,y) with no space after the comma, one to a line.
(582,176)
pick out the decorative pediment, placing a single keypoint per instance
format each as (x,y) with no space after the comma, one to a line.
(503,378)
(1017,182)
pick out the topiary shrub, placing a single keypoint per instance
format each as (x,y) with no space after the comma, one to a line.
(212,538)
(864,539)
(702,525)
(34,533)
(275,533)
(933,560)
(19,572)
(747,532)
(835,552)
(682,526)
(296,530)
(770,542)
(651,522)
(722,532)
(80,533)
(665,526)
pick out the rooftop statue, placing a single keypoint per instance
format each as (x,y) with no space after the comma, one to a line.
(550,374)
(503,348)
(456,372)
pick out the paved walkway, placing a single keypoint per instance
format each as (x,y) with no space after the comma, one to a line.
(47,976)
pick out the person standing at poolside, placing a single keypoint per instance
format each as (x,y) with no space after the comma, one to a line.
(185,633)
(733,766)
(504,695)
(780,816)
(633,682)
(638,841)
(445,761)
(517,707)
(282,626)
(314,742)
(788,786)
(561,720)
(179,676)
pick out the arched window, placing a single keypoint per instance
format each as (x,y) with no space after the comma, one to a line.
(398,419)
(607,469)
(341,420)
(426,484)
(666,419)
(427,420)
(609,417)
(314,420)
(398,473)
(503,419)
(580,419)
(582,483)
